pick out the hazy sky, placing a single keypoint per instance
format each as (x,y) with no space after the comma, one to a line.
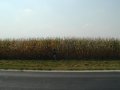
(59,18)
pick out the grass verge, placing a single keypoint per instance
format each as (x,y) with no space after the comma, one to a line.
(60,65)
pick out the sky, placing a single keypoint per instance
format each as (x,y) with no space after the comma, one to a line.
(59,18)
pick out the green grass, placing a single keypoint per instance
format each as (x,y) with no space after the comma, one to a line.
(60,64)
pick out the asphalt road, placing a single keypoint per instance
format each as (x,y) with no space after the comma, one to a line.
(10,80)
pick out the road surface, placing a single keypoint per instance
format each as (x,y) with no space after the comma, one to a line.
(11,80)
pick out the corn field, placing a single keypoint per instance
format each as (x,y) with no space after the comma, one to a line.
(67,48)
